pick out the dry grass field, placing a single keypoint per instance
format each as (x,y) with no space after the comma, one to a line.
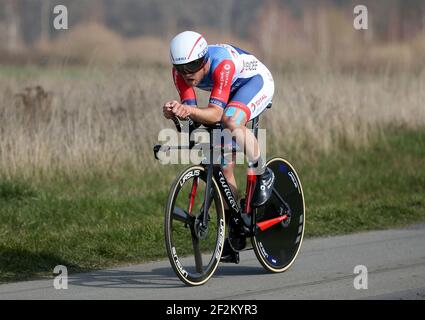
(78,120)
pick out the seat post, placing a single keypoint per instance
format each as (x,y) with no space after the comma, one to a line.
(256,120)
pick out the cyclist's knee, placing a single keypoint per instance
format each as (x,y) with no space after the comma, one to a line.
(233,118)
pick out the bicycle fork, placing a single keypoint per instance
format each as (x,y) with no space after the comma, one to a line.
(208,191)
(203,224)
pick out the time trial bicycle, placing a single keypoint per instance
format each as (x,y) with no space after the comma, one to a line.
(195,222)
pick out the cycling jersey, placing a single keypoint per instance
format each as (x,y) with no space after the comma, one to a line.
(236,78)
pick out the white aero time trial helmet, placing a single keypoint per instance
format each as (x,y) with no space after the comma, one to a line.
(189,52)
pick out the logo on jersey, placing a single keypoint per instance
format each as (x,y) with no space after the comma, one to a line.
(224,77)
(261,99)
(250,65)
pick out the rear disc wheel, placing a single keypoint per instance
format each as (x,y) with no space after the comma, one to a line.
(278,244)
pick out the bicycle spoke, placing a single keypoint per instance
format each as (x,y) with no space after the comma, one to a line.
(181,215)
(197,252)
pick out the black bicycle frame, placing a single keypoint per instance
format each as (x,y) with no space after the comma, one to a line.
(216,172)
(224,187)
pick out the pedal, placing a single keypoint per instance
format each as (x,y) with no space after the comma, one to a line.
(231,258)
(229,255)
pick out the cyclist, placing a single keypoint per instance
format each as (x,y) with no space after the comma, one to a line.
(241,88)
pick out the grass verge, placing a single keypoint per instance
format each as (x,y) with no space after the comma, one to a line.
(99,221)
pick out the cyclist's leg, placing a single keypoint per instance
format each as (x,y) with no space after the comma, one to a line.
(247,103)
(235,117)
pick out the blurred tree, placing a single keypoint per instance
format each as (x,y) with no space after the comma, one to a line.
(45,10)
(12,24)
(29,21)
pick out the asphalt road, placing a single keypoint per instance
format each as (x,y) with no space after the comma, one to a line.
(324,269)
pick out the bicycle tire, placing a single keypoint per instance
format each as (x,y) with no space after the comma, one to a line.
(181,255)
(277,247)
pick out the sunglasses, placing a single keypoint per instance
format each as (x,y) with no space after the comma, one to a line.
(191,67)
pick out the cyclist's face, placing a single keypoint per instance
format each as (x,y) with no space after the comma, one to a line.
(193,79)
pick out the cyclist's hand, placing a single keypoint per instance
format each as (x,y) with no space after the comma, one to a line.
(167,109)
(181,111)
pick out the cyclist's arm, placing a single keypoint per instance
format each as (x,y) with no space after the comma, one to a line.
(186,93)
(188,101)
(207,116)
(222,76)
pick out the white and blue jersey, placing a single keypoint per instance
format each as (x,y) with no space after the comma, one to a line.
(236,78)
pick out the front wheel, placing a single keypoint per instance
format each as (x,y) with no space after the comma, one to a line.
(194,252)
(280,222)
